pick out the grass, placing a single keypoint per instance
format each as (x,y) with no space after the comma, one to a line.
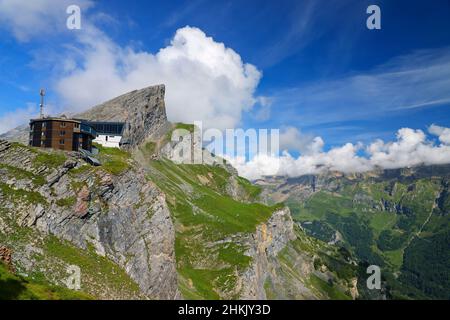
(382,221)
(66,202)
(177,126)
(149,148)
(323,203)
(19,195)
(13,287)
(80,170)
(204,283)
(49,159)
(395,257)
(105,272)
(22,174)
(114,160)
(332,292)
(250,189)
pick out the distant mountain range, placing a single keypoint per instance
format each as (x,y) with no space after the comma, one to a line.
(397,219)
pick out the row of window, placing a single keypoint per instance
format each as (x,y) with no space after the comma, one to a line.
(61,133)
(62,125)
(105,128)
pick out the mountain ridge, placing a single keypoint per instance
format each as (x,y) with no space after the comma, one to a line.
(398,219)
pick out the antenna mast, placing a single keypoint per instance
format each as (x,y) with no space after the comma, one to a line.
(42,94)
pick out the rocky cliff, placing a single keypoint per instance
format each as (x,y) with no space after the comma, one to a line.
(264,246)
(118,215)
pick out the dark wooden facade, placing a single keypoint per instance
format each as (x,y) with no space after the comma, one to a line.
(61,133)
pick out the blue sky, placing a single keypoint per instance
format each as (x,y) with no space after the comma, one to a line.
(321,70)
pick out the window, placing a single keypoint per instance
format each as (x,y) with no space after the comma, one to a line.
(61,141)
(44,124)
(106,137)
(43,134)
(62,133)
(63,124)
(77,125)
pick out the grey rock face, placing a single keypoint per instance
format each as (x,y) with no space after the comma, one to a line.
(143,112)
(264,245)
(124,218)
(19,134)
(186,148)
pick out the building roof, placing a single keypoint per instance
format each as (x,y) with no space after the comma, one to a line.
(55,119)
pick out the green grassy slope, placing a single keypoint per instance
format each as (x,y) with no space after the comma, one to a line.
(14,287)
(204,216)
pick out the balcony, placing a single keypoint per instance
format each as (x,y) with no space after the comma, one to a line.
(88,130)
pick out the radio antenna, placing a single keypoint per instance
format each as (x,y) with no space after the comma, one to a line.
(42,94)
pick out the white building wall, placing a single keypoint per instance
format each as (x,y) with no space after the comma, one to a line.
(108,141)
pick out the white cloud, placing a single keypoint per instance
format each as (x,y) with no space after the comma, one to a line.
(262,110)
(18,117)
(411,148)
(15,118)
(36,18)
(441,132)
(204,79)
(292,139)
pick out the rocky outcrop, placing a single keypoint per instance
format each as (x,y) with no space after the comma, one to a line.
(143,112)
(20,134)
(121,217)
(264,246)
(186,148)
(135,230)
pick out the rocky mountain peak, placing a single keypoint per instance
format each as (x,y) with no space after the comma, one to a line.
(143,112)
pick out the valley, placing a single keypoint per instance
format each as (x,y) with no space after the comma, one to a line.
(396,219)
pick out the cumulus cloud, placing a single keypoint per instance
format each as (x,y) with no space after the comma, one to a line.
(36,18)
(18,117)
(292,139)
(441,132)
(411,148)
(15,118)
(205,80)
